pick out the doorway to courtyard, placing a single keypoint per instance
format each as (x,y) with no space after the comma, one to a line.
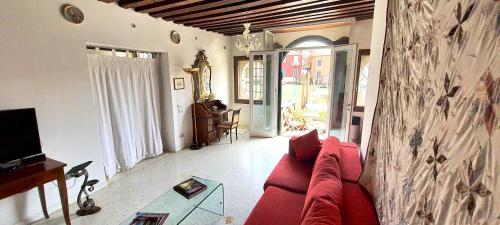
(295,90)
(304,79)
(315,89)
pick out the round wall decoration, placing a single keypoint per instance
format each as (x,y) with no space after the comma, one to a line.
(175,37)
(72,13)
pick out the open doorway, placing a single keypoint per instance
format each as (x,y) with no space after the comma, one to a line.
(315,89)
(311,90)
(304,84)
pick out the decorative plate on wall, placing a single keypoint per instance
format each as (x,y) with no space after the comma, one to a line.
(175,37)
(72,13)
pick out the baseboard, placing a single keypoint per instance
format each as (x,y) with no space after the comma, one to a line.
(53,208)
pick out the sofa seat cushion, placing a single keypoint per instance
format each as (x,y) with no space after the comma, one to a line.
(322,212)
(306,147)
(350,163)
(277,206)
(290,175)
(325,183)
(357,206)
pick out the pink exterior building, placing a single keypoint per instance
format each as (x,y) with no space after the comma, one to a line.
(292,67)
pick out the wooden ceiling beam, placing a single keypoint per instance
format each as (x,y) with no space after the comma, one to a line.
(238,32)
(166,5)
(198,8)
(364,17)
(136,3)
(285,21)
(345,11)
(108,1)
(226,16)
(216,11)
(298,22)
(298,6)
(254,12)
(282,13)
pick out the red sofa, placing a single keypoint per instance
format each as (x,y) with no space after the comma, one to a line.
(323,191)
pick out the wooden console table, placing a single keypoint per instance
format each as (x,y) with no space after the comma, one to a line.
(36,175)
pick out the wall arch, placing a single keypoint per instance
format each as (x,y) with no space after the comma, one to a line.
(323,40)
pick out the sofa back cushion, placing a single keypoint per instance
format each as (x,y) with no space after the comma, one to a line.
(330,146)
(306,147)
(322,212)
(325,182)
(291,151)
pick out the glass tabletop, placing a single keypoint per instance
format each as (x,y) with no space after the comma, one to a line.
(204,208)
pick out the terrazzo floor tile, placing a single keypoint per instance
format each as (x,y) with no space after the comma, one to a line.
(242,166)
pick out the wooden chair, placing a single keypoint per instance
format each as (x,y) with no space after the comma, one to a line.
(230,125)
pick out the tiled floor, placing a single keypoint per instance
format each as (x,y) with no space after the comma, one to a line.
(242,166)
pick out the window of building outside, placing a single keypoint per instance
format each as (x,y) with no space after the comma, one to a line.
(318,63)
(295,72)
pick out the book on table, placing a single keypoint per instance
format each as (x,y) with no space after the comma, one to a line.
(190,188)
(149,218)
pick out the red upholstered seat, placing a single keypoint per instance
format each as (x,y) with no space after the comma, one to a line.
(348,144)
(322,212)
(320,192)
(325,183)
(290,175)
(277,207)
(350,163)
(357,207)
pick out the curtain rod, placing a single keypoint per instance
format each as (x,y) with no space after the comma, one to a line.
(134,52)
(118,49)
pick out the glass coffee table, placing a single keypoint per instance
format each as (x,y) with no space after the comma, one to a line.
(205,208)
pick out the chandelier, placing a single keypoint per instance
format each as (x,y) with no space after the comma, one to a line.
(247,42)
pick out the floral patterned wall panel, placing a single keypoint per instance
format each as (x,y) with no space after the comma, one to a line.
(434,152)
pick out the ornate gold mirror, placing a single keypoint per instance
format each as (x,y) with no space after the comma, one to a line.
(203,79)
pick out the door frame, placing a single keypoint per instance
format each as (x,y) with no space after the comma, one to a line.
(351,73)
(275,81)
(273,76)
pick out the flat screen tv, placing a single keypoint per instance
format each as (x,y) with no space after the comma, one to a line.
(19,136)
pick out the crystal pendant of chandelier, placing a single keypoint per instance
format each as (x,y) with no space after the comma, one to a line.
(247,42)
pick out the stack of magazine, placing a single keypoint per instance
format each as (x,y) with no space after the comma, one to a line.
(149,218)
(190,188)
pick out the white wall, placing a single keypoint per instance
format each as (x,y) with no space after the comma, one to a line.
(44,65)
(377,46)
(363,34)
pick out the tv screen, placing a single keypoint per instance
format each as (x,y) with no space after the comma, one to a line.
(19,136)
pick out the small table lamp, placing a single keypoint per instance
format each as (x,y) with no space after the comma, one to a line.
(192,71)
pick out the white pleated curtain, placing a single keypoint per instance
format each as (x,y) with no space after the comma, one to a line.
(127,97)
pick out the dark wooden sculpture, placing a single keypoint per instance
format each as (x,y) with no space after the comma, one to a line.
(88,206)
